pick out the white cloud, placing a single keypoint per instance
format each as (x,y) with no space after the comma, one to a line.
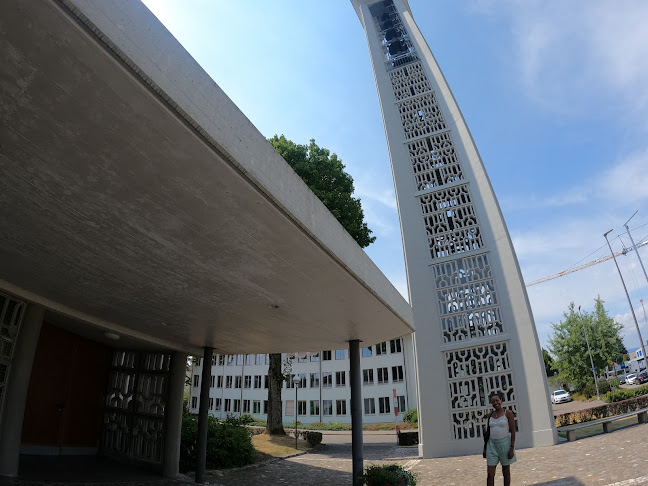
(628,180)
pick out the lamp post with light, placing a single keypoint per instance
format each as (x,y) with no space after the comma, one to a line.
(296,381)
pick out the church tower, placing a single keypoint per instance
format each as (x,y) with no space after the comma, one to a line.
(474,328)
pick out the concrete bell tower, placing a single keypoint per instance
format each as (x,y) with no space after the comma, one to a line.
(474,328)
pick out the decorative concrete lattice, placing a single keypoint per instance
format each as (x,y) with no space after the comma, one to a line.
(421,116)
(434,161)
(473,374)
(475,313)
(450,222)
(11,312)
(135,405)
(409,80)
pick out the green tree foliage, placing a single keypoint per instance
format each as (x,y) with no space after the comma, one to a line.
(324,174)
(550,366)
(569,347)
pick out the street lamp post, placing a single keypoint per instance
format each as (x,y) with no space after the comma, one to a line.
(296,380)
(598,395)
(643,349)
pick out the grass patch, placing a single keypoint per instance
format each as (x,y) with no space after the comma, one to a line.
(277,446)
(598,428)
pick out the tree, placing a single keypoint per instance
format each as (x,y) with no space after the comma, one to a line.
(324,174)
(569,346)
(548,362)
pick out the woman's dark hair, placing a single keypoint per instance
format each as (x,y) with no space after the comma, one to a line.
(496,394)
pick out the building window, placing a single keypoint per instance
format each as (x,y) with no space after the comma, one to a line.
(228,405)
(381,348)
(314,407)
(290,383)
(219,382)
(397,373)
(212,381)
(302,380)
(247,383)
(267,359)
(326,355)
(260,359)
(301,407)
(257,381)
(237,405)
(217,405)
(314,356)
(237,381)
(231,359)
(395,345)
(246,405)
(314,380)
(256,406)
(302,357)
(249,359)
(340,378)
(211,403)
(327,407)
(340,407)
(340,354)
(383,375)
(367,352)
(194,402)
(369,406)
(221,360)
(290,408)
(196,381)
(327,379)
(240,358)
(400,399)
(214,359)
(367,377)
(228,382)
(265,406)
(383,404)
(266,381)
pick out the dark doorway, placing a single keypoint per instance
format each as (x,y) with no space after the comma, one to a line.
(65,401)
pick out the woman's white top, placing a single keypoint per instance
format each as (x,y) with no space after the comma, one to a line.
(499,427)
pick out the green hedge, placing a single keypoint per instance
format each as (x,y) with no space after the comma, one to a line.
(625,393)
(603,411)
(229,444)
(312,438)
(411,416)
(388,475)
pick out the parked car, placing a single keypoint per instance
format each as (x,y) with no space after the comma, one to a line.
(642,378)
(622,379)
(560,396)
(630,379)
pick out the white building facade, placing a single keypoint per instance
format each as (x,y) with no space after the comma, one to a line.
(475,333)
(239,384)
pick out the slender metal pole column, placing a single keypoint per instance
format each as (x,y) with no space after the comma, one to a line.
(203,411)
(356,411)
(634,247)
(641,343)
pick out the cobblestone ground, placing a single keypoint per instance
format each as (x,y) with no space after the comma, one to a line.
(619,458)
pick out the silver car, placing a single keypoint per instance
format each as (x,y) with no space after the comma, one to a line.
(560,396)
(631,378)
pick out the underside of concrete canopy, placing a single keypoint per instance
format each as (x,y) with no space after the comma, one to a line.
(135,197)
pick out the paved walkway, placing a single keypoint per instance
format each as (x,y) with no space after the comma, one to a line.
(619,458)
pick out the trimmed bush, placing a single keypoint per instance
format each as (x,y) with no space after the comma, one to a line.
(388,475)
(312,438)
(603,411)
(625,394)
(228,444)
(411,416)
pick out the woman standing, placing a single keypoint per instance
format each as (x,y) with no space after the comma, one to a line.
(500,447)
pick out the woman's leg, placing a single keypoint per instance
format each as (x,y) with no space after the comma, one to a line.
(490,479)
(506,472)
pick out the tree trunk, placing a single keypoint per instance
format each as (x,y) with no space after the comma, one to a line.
(274,424)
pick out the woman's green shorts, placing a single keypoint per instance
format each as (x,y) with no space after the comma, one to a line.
(497,451)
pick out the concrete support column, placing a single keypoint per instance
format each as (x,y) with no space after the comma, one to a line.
(173,415)
(355,381)
(11,421)
(203,411)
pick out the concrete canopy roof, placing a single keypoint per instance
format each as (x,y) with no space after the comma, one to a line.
(136,197)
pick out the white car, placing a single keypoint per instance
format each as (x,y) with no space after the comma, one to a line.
(631,379)
(560,396)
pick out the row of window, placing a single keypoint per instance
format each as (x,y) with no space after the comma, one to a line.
(326,378)
(234,405)
(395,346)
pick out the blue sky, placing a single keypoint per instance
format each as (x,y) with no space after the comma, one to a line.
(554,93)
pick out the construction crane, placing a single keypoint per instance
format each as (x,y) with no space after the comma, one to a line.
(585,265)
